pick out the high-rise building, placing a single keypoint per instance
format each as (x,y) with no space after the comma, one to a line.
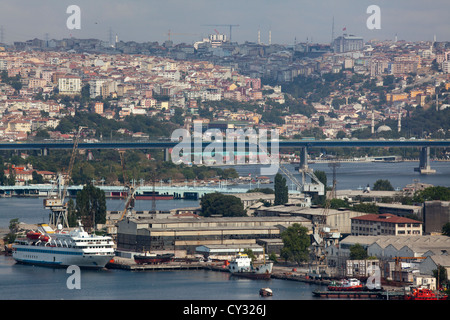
(346,43)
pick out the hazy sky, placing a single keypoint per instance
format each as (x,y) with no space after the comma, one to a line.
(150,20)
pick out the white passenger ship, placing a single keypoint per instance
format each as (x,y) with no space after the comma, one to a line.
(64,248)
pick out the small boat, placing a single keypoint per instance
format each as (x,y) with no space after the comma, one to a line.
(425,294)
(265,292)
(346,285)
(153,258)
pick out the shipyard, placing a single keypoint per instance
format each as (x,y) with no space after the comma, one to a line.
(225,152)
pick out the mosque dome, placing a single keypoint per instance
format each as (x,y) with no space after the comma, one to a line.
(383,128)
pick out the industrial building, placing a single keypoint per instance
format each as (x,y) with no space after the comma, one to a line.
(184,235)
(416,254)
(336,219)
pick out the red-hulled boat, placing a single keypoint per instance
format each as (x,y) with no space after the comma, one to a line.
(346,285)
(425,294)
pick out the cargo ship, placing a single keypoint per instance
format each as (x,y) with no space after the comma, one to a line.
(242,266)
(153,258)
(60,248)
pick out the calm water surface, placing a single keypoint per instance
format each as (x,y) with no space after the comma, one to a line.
(24,282)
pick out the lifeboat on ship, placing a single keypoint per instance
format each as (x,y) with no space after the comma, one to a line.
(33,235)
(44,238)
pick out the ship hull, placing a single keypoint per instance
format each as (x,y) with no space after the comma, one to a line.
(337,288)
(59,257)
(143,259)
(253,275)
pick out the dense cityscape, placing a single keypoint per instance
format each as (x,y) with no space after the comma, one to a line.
(348,89)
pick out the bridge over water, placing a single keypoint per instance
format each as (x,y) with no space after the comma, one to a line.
(178,192)
(303,145)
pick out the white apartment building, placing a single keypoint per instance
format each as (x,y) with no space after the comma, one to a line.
(446,66)
(69,85)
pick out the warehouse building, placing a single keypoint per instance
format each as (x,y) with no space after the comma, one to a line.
(186,234)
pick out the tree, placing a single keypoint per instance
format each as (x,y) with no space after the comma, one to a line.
(432,193)
(366,207)
(37,178)
(91,206)
(13,227)
(441,275)
(321,121)
(220,204)
(357,252)
(341,134)
(446,229)
(321,176)
(383,185)
(296,243)
(71,213)
(281,190)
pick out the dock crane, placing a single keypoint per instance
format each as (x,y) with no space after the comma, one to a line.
(56,204)
(131,191)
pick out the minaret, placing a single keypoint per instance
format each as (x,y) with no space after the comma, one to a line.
(373,122)
(399,127)
(270,37)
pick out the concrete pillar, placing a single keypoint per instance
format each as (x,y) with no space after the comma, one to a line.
(424,162)
(167,154)
(304,158)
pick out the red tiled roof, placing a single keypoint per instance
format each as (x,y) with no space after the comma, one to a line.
(386,217)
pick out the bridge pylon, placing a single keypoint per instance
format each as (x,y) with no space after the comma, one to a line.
(424,162)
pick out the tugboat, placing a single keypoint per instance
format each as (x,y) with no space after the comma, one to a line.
(425,294)
(242,266)
(346,285)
